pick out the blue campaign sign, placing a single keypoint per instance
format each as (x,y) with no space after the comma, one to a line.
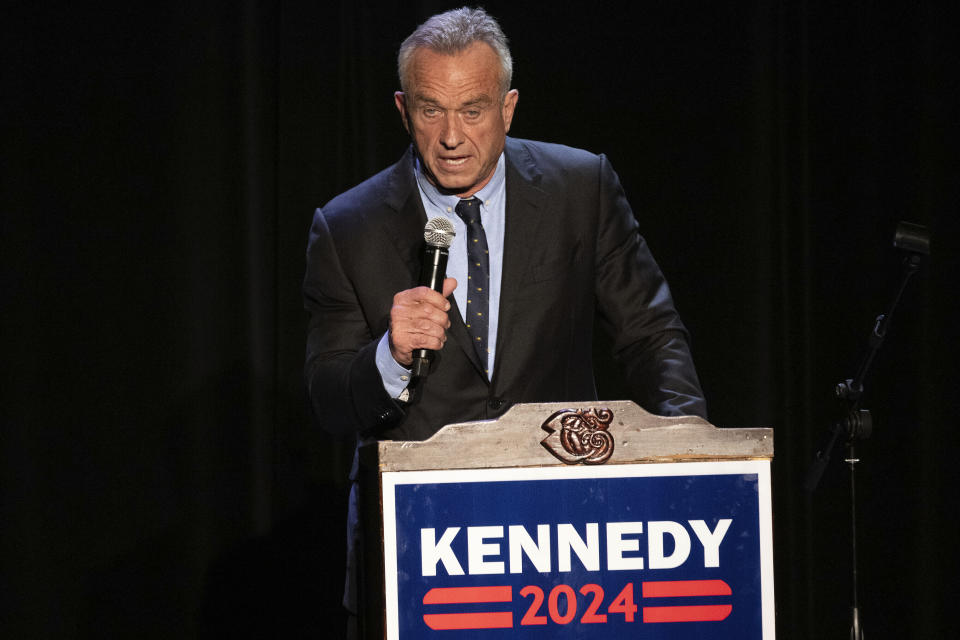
(678,551)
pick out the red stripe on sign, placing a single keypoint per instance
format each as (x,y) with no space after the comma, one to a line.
(466,595)
(705,613)
(680,588)
(448,621)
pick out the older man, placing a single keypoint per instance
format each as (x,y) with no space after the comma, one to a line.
(545,244)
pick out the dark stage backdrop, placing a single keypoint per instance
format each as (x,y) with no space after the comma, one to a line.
(161,477)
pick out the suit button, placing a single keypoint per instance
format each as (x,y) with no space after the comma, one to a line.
(495,403)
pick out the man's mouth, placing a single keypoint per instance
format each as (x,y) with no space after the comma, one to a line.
(455,161)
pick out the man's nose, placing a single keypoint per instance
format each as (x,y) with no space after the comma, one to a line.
(452,134)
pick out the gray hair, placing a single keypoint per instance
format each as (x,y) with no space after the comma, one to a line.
(452,32)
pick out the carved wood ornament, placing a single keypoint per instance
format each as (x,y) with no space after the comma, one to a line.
(579,436)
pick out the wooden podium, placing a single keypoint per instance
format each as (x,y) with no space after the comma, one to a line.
(570,520)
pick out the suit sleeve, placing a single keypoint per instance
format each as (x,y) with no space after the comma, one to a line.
(637,310)
(343,383)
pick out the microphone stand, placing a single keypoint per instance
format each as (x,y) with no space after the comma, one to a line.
(855,422)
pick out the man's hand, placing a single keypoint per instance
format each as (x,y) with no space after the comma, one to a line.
(418,320)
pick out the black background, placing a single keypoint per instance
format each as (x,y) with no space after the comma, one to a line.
(160,475)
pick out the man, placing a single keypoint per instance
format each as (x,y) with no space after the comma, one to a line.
(562,249)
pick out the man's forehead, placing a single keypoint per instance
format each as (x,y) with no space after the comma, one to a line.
(425,96)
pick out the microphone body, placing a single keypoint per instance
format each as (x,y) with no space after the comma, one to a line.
(433,269)
(438,235)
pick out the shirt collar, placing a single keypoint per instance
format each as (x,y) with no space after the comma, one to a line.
(444,201)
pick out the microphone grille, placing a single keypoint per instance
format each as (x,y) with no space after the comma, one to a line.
(439,232)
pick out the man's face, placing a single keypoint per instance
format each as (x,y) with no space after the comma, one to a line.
(454,113)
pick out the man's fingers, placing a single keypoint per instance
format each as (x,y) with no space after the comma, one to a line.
(424,295)
(421,302)
(449,284)
(404,339)
(418,320)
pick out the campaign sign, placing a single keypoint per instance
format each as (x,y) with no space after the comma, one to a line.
(678,550)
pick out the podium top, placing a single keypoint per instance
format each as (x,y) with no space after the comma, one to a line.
(559,434)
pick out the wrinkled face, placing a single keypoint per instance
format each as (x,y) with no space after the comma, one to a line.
(454,114)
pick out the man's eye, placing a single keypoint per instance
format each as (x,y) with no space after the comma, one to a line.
(473,114)
(431,112)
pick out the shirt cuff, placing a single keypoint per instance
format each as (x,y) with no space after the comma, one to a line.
(395,376)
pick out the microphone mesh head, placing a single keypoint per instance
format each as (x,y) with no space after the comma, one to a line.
(439,232)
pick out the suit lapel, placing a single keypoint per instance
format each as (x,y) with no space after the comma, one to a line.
(405,226)
(525,207)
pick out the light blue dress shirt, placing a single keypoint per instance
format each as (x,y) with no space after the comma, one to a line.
(493,200)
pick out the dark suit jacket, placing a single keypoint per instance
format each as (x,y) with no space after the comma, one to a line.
(572,254)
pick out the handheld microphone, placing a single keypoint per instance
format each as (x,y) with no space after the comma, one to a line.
(438,235)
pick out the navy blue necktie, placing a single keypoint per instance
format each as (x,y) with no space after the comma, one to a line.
(478,278)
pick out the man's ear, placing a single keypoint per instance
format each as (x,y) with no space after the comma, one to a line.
(400,99)
(509,105)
